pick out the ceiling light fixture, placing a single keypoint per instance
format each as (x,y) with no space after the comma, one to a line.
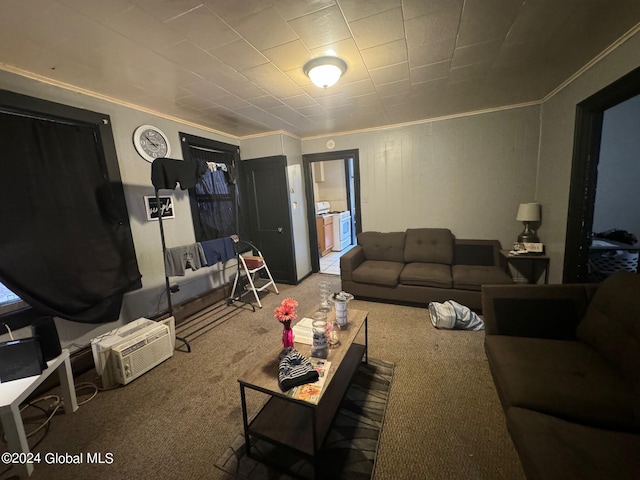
(325,71)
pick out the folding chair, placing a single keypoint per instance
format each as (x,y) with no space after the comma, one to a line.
(250,267)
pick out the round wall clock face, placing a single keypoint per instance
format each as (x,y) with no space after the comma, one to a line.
(151,142)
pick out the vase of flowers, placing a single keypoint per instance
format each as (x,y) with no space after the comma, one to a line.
(286,312)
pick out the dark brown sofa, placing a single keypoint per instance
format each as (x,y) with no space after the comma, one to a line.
(565,360)
(421,265)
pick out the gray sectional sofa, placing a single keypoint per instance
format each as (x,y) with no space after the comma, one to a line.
(565,360)
(420,266)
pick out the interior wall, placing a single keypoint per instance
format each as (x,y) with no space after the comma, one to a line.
(617,205)
(556,146)
(262,146)
(136,178)
(467,174)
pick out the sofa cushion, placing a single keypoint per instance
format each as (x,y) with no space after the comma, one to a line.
(530,310)
(612,322)
(378,272)
(383,246)
(534,317)
(426,275)
(472,277)
(429,245)
(551,448)
(565,378)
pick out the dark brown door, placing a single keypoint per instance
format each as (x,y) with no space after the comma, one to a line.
(265,191)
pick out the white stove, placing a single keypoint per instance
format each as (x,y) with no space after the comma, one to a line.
(341,225)
(322,208)
(341,215)
(341,231)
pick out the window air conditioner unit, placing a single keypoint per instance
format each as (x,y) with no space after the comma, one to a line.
(126,353)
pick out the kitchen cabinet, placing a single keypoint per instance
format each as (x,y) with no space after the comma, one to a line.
(324,227)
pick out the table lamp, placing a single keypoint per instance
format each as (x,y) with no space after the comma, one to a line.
(528,213)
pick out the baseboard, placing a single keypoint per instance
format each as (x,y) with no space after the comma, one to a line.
(200,302)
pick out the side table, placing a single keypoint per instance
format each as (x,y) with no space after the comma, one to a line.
(530,261)
(13,393)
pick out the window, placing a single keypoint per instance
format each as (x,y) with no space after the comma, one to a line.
(67,250)
(215,198)
(214,205)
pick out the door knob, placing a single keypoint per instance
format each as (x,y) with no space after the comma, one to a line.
(280,229)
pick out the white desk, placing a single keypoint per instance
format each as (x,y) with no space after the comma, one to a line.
(15,392)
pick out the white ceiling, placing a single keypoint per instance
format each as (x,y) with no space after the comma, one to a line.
(236,66)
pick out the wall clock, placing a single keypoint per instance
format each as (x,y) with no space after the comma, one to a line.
(151,142)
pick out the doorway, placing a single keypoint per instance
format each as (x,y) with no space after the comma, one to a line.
(334,178)
(584,173)
(616,219)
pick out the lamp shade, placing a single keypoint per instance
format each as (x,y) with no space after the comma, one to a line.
(325,71)
(528,212)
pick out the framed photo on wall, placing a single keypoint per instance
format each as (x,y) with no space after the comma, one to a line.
(166,207)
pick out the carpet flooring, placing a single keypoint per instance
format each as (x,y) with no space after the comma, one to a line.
(349,451)
(443,419)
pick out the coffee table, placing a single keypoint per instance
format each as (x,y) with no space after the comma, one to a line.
(296,424)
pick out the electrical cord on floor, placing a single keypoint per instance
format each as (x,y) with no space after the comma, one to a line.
(46,425)
(54,406)
(97,387)
(84,385)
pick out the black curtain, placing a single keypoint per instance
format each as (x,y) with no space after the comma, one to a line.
(65,243)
